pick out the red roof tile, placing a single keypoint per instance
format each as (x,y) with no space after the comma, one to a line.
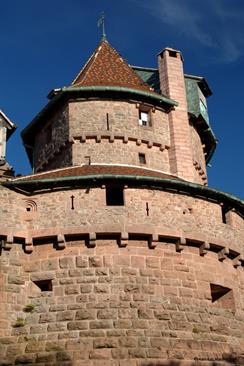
(96,170)
(107,68)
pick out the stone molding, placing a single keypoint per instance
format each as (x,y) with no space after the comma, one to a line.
(153,235)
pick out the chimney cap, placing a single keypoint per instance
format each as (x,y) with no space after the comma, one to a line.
(171,50)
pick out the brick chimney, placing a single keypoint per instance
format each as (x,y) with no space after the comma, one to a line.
(172,84)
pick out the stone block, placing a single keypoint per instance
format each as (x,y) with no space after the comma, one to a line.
(66,262)
(105,343)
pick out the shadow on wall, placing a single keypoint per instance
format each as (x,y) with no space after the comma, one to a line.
(228,360)
(62,358)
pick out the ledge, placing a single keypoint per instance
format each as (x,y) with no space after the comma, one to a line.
(154,237)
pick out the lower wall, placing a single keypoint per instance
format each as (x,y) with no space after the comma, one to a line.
(119,306)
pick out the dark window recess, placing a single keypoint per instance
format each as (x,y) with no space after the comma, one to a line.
(222,296)
(114,196)
(44,285)
(28,209)
(172,53)
(142,158)
(107,121)
(224,212)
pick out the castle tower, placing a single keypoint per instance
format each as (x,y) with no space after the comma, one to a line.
(115,252)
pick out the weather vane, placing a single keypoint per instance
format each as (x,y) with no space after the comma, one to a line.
(101,23)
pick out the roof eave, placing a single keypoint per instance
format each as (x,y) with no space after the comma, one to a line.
(57,94)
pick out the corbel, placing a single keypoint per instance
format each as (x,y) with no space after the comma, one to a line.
(28,245)
(8,242)
(124,237)
(61,243)
(153,241)
(204,247)
(125,139)
(92,240)
(179,245)
(222,254)
(98,138)
(237,261)
(111,137)
(83,138)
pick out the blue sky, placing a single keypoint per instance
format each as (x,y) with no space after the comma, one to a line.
(45,43)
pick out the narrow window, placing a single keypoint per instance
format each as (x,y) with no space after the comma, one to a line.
(143,118)
(107,119)
(87,160)
(114,196)
(223,211)
(142,158)
(44,285)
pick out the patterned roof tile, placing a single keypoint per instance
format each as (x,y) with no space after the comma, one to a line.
(107,68)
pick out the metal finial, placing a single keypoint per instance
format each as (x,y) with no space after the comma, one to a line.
(101,22)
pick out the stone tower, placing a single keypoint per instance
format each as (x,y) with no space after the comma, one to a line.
(115,251)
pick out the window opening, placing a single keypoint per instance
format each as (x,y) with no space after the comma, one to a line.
(222,296)
(224,211)
(147,208)
(114,196)
(44,285)
(143,118)
(87,160)
(107,121)
(142,158)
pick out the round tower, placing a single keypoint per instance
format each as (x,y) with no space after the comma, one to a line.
(115,251)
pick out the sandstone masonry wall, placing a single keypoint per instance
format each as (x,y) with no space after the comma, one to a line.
(51,141)
(109,132)
(198,158)
(118,306)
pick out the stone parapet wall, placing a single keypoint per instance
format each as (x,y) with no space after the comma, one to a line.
(144,211)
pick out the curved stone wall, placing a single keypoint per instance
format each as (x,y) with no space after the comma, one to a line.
(112,305)
(158,279)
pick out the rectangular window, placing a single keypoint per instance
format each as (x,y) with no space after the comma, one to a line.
(114,196)
(87,160)
(142,158)
(44,285)
(143,118)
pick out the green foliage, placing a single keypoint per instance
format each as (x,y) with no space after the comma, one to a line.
(20,322)
(29,308)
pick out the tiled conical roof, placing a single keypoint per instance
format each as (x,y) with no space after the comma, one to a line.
(107,68)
